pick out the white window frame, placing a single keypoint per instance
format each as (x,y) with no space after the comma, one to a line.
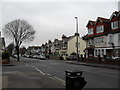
(100,29)
(90,31)
(114,25)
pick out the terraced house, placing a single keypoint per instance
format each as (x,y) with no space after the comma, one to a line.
(103,38)
(67,45)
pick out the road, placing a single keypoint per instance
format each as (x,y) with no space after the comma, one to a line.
(96,77)
(21,75)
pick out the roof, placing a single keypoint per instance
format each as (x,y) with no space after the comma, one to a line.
(116,13)
(103,20)
(70,37)
(90,22)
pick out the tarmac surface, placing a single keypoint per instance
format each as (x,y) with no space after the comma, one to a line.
(19,75)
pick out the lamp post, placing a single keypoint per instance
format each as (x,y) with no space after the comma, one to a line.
(77,37)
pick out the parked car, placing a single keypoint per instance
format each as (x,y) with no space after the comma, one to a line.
(72,57)
(30,56)
(25,55)
(15,56)
(34,56)
(42,57)
(116,58)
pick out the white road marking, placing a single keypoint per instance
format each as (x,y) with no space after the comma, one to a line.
(50,76)
(55,78)
(60,80)
(38,70)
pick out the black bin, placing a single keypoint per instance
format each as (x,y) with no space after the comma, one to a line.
(74,80)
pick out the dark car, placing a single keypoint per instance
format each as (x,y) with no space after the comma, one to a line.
(72,57)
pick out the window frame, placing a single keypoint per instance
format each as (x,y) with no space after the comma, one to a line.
(114,25)
(100,29)
(90,31)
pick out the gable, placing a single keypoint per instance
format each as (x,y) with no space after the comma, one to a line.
(90,23)
(114,14)
(98,20)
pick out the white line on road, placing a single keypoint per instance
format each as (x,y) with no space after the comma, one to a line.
(55,78)
(35,68)
(50,76)
(38,70)
(58,79)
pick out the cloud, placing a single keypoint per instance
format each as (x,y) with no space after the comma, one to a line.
(52,19)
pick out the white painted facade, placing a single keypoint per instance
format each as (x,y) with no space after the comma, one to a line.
(105,45)
(71,45)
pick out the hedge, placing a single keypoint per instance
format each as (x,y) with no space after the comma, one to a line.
(5,55)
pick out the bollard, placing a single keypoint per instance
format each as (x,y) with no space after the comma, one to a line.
(74,80)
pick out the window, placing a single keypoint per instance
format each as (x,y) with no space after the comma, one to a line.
(95,52)
(100,29)
(78,44)
(91,42)
(102,52)
(110,38)
(114,25)
(90,31)
(119,38)
(98,52)
(99,40)
(91,53)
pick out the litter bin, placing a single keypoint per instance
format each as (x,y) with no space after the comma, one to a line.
(74,80)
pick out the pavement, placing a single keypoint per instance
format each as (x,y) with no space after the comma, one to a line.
(18,74)
(101,65)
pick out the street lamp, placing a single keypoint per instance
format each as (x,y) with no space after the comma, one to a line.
(77,37)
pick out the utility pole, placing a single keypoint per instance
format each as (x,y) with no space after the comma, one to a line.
(77,38)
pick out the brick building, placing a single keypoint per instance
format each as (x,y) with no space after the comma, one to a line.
(103,38)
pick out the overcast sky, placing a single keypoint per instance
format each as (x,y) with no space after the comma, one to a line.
(53,19)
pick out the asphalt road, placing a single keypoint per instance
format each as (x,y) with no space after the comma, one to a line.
(24,76)
(96,77)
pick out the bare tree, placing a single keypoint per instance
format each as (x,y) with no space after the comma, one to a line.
(20,31)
